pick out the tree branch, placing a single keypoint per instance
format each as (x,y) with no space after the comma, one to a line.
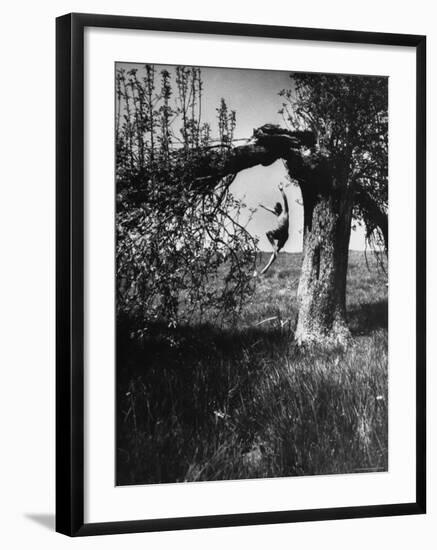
(375,215)
(268,144)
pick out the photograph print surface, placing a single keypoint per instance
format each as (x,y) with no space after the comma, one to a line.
(251,273)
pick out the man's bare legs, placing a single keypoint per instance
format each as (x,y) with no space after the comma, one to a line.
(275,246)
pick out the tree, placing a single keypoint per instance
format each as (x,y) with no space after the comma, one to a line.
(345,178)
(335,147)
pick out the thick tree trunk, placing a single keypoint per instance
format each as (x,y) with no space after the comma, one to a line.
(322,285)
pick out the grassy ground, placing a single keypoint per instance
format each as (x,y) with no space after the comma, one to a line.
(208,403)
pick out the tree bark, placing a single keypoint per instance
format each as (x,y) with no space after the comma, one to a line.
(322,285)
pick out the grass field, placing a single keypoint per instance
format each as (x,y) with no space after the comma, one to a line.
(209,403)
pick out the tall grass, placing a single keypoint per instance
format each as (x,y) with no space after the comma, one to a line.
(207,402)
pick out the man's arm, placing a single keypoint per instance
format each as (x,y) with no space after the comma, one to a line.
(268,209)
(284,196)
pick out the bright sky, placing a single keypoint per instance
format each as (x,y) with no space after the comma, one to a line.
(253,94)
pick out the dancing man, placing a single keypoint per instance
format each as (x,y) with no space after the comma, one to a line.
(279,234)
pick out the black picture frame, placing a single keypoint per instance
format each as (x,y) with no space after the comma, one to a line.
(70,273)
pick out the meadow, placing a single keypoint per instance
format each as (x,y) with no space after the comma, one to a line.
(208,402)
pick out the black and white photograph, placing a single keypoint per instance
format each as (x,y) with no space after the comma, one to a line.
(251,273)
(218,282)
